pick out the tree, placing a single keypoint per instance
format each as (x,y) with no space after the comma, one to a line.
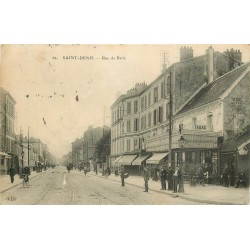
(102,147)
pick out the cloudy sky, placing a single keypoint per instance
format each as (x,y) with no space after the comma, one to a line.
(58,98)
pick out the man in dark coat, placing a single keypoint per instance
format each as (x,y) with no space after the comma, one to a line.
(170,178)
(176,177)
(12,173)
(225,175)
(122,176)
(241,180)
(146,179)
(163,176)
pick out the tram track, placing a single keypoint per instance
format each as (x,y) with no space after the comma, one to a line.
(52,188)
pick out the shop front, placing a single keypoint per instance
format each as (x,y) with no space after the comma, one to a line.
(155,162)
(126,162)
(139,163)
(199,150)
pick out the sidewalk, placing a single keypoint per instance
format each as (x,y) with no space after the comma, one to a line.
(5,183)
(210,194)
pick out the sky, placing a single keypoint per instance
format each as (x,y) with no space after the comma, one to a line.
(60,90)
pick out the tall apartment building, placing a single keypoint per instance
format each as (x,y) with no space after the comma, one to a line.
(7,131)
(140,118)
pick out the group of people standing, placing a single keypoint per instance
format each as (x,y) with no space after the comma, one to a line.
(12,172)
(171,175)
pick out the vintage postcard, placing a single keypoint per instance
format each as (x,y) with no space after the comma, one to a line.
(124,124)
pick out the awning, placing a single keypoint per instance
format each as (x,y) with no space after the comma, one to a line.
(140,159)
(126,159)
(156,158)
(117,159)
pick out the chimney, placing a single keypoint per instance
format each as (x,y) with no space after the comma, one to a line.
(210,64)
(186,53)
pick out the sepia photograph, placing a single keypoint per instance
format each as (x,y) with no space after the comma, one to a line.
(93,124)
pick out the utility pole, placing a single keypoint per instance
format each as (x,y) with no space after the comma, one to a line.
(28,148)
(170,119)
(103,136)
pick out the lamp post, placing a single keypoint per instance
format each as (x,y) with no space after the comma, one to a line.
(22,158)
(181,144)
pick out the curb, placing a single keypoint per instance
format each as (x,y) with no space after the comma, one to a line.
(211,202)
(15,185)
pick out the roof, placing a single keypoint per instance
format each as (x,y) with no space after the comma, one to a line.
(237,141)
(214,90)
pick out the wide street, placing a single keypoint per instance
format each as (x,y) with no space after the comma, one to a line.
(58,187)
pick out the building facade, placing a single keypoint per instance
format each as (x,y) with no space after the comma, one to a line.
(140,118)
(8,148)
(212,120)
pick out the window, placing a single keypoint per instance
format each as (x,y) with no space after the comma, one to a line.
(136,124)
(193,122)
(145,99)
(160,114)
(155,94)
(128,126)
(142,103)
(128,144)
(155,117)
(162,90)
(149,99)
(128,108)
(143,122)
(135,107)
(149,119)
(136,143)
(167,111)
(122,127)
(210,122)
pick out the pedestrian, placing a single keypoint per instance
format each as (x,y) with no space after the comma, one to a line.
(108,171)
(170,178)
(12,173)
(241,180)
(155,175)
(163,176)
(122,174)
(225,175)
(146,179)
(176,176)
(201,176)
(26,173)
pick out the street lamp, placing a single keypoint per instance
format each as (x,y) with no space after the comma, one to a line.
(181,142)
(22,158)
